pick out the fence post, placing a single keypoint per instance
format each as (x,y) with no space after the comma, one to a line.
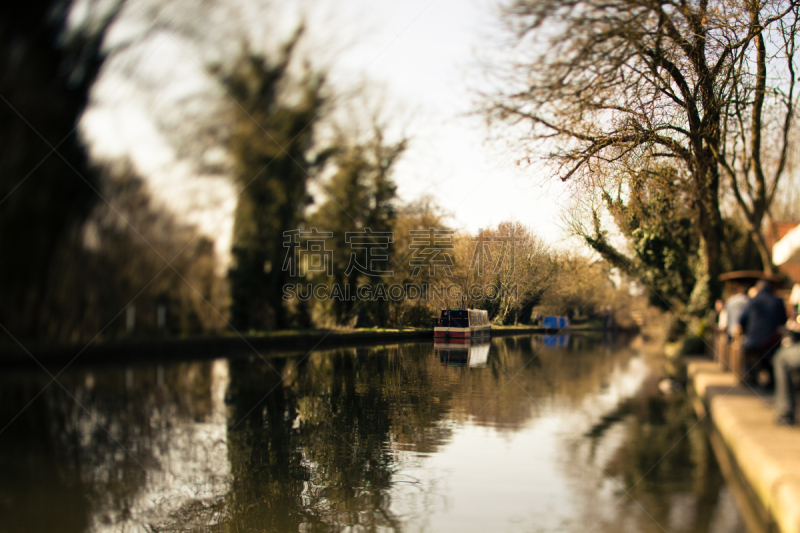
(722,347)
(736,358)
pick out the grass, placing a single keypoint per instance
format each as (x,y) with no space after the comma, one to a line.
(321,331)
(591,324)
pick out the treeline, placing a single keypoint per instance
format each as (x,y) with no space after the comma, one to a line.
(84,251)
(88,254)
(421,266)
(322,240)
(353,255)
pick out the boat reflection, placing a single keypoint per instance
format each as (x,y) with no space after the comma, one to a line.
(462,352)
(556,341)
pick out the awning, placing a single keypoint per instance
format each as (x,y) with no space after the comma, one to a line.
(787,250)
(743,275)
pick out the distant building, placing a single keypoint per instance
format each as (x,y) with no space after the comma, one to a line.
(783,239)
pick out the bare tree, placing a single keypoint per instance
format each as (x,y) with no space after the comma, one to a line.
(758,115)
(623,88)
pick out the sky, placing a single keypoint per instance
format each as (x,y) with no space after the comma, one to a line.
(425,61)
(427,56)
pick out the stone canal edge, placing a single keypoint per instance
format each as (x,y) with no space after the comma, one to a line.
(760,459)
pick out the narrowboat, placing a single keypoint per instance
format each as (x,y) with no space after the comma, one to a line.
(459,323)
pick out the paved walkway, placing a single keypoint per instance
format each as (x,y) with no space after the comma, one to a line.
(768,455)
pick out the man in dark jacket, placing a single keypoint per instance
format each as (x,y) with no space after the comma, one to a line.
(762,323)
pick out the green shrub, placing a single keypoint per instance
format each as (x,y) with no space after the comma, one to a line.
(420,316)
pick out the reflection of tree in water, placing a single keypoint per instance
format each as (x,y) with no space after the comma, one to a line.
(665,452)
(541,375)
(317,451)
(266,465)
(32,457)
(663,461)
(316,443)
(144,452)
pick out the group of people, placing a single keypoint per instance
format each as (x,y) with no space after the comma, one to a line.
(768,342)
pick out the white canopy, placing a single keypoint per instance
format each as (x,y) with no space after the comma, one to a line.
(787,250)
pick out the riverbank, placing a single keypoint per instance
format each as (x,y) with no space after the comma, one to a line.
(767,456)
(142,350)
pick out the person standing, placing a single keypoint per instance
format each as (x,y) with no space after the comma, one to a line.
(786,361)
(762,323)
(733,310)
(720,316)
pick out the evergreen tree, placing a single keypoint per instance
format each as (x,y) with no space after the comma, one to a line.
(654,214)
(271,141)
(361,195)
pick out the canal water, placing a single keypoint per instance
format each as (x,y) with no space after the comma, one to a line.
(523,434)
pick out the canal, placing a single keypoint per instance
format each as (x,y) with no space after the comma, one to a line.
(523,434)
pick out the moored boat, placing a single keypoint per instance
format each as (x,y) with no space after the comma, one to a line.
(460,323)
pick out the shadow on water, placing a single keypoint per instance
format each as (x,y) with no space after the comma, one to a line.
(370,439)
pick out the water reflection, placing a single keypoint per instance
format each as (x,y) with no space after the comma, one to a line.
(555,341)
(524,437)
(134,447)
(461,353)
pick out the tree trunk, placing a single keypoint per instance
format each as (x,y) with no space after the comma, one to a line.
(763,252)
(712,230)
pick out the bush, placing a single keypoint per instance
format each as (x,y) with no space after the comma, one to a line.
(420,316)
